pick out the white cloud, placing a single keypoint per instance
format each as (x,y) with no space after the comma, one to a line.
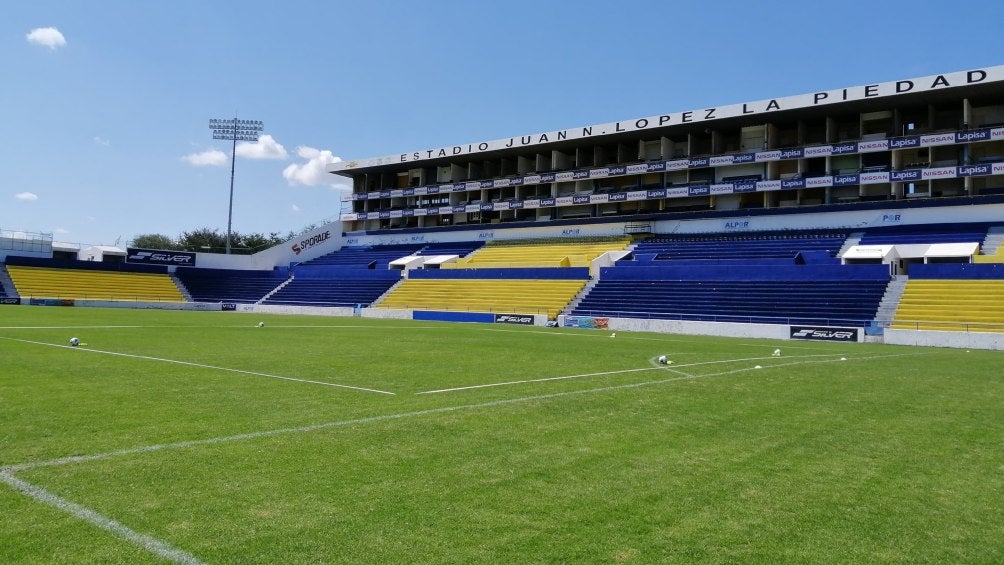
(296,209)
(61,231)
(47,37)
(314,171)
(102,141)
(265,148)
(211,157)
(26,196)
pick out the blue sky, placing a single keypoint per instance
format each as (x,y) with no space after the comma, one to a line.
(104,118)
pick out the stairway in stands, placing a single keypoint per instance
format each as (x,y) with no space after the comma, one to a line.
(890,300)
(6,284)
(992,243)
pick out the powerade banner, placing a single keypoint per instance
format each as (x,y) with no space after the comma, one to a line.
(822,333)
(520,319)
(159,257)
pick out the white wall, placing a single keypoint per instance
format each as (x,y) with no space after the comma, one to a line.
(722,329)
(857,219)
(305,310)
(312,244)
(958,340)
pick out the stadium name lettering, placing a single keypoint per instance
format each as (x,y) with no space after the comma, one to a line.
(900,87)
(589,131)
(707,114)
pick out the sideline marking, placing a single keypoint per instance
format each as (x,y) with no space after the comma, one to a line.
(657,367)
(200,365)
(151,544)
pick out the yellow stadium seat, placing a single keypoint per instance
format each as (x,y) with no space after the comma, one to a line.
(44,282)
(951,305)
(480,295)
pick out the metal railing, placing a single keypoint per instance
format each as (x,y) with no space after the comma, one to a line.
(946,326)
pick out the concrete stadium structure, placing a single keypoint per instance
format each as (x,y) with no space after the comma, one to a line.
(906,176)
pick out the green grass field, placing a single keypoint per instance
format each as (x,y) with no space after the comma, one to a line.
(197,437)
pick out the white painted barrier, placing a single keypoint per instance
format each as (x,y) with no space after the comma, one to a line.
(958,340)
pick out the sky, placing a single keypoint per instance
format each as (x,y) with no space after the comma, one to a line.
(105,106)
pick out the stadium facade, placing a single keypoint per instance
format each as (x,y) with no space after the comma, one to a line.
(873,212)
(934,141)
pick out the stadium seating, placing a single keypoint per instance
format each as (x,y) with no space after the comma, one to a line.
(224,285)
(380,256)
(744,246)
(951,305)
(997,257)
(480,295)
(462,248)
(926,233)
(556,253)
(330,292)
(366,257)
(45,282)
(826,302)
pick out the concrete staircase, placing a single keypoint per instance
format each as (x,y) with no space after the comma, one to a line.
(275,290)
(389,291)
(995,236)
(181,287)
(853,239)
(582,294)
(890,300)
(6,283)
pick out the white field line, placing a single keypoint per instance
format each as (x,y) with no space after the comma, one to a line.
(546,379)
(399,416)
(170,553)
(199,365)
(224,327)
(74,327)
(768,342)
(153,545)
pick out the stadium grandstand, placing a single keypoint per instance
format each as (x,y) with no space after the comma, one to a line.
(872,212)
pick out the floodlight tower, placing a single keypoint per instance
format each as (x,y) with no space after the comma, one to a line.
(233,129)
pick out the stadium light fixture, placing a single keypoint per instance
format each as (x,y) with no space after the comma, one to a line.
(232,129)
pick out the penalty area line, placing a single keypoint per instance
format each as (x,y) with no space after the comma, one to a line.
(202,366)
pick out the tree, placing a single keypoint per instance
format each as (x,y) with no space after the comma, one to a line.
(254,242)
(204,240)
(210,240)
(155,241)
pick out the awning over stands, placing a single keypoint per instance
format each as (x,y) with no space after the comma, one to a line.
(870,254)
(893,253)
(102,253)
(422,261)
(64,247)
(952,250)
